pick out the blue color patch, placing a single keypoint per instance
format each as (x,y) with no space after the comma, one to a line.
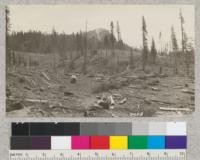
(156,142)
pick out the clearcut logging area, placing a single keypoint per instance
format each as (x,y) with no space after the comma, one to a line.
(41,91)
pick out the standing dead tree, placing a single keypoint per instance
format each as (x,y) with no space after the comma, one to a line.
(174,50)
(131,60)
(62,49)
(118,33)
(185,52)
(8,49)
(106,44)
(54,43)
(160,43)
(85,52)
(182,30)
(73,44)
(118,41)
(112,37)
(145,44)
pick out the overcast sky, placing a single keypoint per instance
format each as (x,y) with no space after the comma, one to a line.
(71,18)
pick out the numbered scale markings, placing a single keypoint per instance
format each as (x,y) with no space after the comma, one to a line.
(97,155)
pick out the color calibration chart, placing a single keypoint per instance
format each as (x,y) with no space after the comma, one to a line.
(99,141)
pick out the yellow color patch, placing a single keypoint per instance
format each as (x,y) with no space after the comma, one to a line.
(118,142)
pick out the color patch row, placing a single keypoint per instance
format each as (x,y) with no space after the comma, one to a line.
(97,142)
(63,129)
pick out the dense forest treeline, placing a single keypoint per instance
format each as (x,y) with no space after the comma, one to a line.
(38,42)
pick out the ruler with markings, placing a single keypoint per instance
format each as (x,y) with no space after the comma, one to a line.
(97,154)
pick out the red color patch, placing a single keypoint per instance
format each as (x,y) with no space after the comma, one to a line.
(99,142)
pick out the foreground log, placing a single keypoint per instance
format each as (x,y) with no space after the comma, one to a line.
(187,91)
(28,100)
(123,101)
(174,109)
(163,102)
(45,76)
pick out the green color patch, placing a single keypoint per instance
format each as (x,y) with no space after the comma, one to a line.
(137,142)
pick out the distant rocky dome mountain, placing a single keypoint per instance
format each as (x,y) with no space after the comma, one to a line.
(98,33)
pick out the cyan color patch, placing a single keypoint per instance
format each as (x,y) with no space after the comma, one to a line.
(156,142)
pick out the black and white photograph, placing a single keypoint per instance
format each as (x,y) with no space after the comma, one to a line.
(100,60)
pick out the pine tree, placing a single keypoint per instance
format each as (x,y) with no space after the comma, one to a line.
(145,44)
(174,40)
(153,51)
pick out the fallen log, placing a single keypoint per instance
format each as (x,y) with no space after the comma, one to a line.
(153,83)
(47,83)
(164,102)
(140,97)
(174,109)
(134,87)
(132,77)
(123,101)
(155,89)
(145,76)
(45,76)
(33,82)
(153,100)
(187,91)
(177,87)
(27,88)
(28,100)
(67,93)
(164,75)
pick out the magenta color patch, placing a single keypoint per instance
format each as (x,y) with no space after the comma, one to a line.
(80,142)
